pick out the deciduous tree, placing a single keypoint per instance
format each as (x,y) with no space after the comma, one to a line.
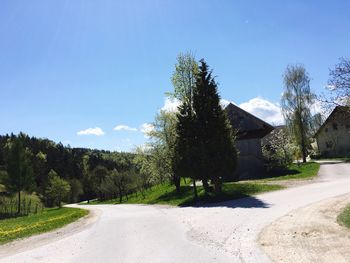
(297,100)
(57,188)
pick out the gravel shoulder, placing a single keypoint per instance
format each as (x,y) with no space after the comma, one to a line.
(309,234)
(29,243)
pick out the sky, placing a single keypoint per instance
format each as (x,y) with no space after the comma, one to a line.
(94,73)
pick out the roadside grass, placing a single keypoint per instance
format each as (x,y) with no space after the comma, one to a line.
(344,217)
(166,194)
(295,171)
(49,219)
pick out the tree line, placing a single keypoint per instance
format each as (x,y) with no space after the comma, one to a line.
(57,173)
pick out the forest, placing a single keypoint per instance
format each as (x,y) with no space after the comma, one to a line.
(55,173)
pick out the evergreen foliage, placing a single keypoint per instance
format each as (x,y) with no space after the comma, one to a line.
(205,143)
(19,176)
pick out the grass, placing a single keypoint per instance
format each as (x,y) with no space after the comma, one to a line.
(344,217)
(295,171)
(49,219)
(166,194)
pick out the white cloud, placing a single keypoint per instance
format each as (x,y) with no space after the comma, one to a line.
(123,127)
(316,107)
(91,131)
(146,128)
(264,109)
(171,105)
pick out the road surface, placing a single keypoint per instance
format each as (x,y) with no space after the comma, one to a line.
(225,232)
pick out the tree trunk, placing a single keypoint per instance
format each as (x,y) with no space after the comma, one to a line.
(19,203)
(303,149)
(195,190)
(217,184)
(206,186)
(177,184)
(120,195)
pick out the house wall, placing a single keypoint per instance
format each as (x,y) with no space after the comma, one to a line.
(334,138)
(250,162)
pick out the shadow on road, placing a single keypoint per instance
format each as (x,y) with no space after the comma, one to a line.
(244,202)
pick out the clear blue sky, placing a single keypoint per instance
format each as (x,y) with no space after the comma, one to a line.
(66,66)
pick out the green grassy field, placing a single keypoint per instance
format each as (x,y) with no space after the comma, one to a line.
(295,171)
(49,219)
(166,194)
(344,217)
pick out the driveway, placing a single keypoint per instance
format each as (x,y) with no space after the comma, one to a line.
(225,232)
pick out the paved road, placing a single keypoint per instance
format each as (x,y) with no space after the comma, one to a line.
(226,232)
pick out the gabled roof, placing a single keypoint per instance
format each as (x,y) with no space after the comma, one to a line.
(247,125)
(337,109)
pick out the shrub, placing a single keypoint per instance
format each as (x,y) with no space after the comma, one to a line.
(30,204)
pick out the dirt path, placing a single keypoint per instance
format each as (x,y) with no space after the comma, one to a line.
(309,234)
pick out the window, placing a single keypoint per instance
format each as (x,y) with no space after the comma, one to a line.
(335,126)
(329,144)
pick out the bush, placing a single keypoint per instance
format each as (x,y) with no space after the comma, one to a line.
(30,204)
(279,150)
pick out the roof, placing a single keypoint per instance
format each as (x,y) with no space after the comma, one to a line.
(337,109)
(247,125)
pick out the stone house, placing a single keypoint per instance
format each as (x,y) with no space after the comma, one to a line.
(249,133)
(333,137)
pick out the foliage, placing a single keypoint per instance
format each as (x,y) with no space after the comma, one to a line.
(184,77)
(205,142)
(72,164)
(30,204)
(76,190)
(57,189)
(49,219)
(117,184)
(19,176)
(163,139)
(297,100)
(279,151)
(344,217)
(339,83)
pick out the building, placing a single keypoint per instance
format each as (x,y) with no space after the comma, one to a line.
(249,133)
(333,137)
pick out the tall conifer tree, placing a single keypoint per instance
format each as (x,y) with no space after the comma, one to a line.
(205,143)
(215,141)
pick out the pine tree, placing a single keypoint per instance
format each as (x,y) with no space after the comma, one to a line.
(19,170)
(185,145)
(216,153)
(205,143)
